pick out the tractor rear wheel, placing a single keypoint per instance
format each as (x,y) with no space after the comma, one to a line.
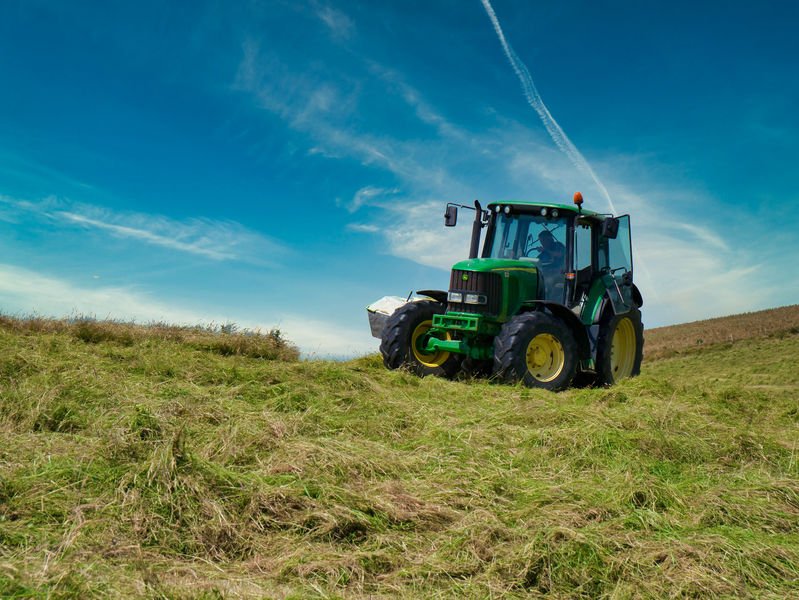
(620,347)
(536,349)
(405,336)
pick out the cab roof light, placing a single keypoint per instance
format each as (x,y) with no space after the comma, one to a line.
(578,200)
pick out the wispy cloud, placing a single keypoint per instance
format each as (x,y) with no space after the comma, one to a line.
(340,25)
(705,235)
(13,166)
(367,194)
(304,100)
(215,240)
(363,228)
(425,112)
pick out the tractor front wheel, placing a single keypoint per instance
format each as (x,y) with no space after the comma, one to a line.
(405,336)
(536,349)
(620,346)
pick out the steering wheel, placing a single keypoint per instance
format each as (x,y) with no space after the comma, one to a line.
(532,249)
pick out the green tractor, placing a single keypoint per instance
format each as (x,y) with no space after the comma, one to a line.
(550,298)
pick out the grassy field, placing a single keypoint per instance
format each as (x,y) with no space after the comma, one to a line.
(173,463)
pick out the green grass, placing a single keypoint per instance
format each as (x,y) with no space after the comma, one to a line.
(159,466)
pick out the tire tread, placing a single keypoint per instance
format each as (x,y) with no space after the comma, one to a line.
(512,342)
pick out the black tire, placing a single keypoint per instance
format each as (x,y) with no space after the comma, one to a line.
(537,349)
(620,347)
(410,322)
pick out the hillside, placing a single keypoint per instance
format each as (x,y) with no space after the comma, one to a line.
(169,463)
(688,337)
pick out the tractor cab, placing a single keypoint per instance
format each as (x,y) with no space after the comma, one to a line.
(535,240)
(569,247)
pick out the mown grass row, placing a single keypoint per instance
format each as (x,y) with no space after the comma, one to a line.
(160,469)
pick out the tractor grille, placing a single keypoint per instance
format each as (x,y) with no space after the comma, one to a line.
(488,284)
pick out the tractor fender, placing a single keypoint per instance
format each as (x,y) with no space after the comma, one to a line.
(606,303)
(573,322)
(437,295)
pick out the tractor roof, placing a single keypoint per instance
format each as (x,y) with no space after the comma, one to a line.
(562,207)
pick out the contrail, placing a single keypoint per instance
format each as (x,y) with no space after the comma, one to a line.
(534,99)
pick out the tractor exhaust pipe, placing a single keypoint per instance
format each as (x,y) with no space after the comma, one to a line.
(476,227)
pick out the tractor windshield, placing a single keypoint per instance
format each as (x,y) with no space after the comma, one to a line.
(534,238)
(529,236)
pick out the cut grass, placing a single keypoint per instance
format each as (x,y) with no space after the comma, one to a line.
(160,467)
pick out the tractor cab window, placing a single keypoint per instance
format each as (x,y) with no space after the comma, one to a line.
(582,247)
(615,254)
(583,262)
(537,239)
(506,238)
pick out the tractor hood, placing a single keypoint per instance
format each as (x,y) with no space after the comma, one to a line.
(496,264)
(501,285)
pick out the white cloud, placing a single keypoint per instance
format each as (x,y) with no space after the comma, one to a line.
(11,163)
(202,247)
(25,292)
(324,339)
(415,231)
(304,100)
(422,109)
(340,25)
(216,240)
(366,194)
(363,228)
(707,236)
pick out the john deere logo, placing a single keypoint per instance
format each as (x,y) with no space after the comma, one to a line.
(465,277)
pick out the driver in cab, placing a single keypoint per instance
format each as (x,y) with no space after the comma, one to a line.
(551,252)
(551,259)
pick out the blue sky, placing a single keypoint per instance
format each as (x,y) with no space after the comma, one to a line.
(287,163)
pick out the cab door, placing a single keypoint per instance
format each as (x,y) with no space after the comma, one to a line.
(615,262)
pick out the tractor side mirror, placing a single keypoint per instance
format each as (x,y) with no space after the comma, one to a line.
(451,216)
(610,228)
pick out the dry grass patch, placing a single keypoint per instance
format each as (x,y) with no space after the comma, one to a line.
(226,340)
(668,341)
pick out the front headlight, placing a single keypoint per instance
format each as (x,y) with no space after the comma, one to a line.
(455,297)
(475,299)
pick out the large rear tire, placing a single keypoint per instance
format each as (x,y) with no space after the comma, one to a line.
(620,347)
(405,335)
(537,349)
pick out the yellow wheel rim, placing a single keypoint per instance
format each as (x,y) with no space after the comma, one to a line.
(433,359)
(545,357)
(622,350)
